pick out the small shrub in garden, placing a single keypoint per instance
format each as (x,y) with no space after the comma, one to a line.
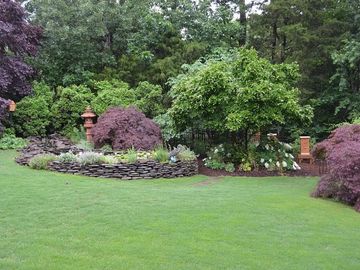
(88,158)
(67,157)
(161,155)
(230,167)
(41,162)
(126,128)
(277,155)
(342,152)
(186,155)
(110,160)
(33,116)
(131,156)
(10,141)
(216,157)
(181,153)
(214,164)
(245,166)
(106,148)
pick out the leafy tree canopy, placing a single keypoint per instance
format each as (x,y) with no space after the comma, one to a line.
(237,91)
(18,39)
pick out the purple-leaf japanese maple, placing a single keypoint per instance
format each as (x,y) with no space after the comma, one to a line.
(342,152)
(18,39)
(126,128)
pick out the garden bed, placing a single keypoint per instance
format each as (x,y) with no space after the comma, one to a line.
(306,170)
(140,170)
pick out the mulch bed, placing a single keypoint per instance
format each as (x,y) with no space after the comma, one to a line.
(307,170)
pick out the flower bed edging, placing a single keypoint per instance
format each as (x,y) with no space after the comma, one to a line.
(139,170)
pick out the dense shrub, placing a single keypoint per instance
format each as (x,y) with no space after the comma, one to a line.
(33,116)
(277,156)
(126,128)
(342,152)
(149,99)
(112,93)
(41,162)
(69,106)
(185,154)
(10,141)
(217,157)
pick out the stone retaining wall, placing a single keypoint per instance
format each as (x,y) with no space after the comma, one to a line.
(140,170)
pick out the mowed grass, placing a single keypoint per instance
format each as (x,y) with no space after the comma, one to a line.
(55,221)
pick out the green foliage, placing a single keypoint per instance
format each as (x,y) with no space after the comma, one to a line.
(67,157)
(161,155)
(33,113)
(296,145)
(215,158)
(149,99)
(10,141)
(85,145)
(113,93)
(41,162)
(286,31)
(69,106)
(240,91)
(276,155)
(246,166)
(106,148)
(76,135)
(230,167)
(110,160)
(131,156)
(186,154)
(167,126)
(346,82)
(88,158)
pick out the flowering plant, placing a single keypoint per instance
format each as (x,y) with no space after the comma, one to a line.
(276,155)
(217,157)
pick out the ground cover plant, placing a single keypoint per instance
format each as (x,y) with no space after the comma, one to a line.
(160,154)
(342,153)
(56,221)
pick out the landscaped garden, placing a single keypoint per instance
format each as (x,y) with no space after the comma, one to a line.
(179,134)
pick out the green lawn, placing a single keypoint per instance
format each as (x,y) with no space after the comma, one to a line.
(55,221)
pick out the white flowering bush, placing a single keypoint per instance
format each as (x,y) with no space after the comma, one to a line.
(276,156)
(217,159)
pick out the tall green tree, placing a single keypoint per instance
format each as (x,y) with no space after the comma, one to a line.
(236,92)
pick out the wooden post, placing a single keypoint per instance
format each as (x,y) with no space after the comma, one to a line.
(305,154)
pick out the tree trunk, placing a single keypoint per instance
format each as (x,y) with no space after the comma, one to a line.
(243,23)
(274,41)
